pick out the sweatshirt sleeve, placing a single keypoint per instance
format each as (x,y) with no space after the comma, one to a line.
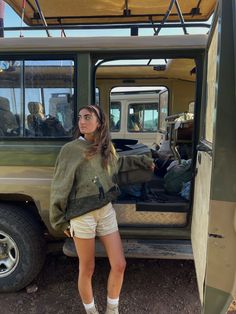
(134,162)
(134,169)
(62,183)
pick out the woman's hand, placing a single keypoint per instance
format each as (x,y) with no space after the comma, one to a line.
(67,233)
(152,167)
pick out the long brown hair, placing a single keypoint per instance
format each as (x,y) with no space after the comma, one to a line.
(102,139)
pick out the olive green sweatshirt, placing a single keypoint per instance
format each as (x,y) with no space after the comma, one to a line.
(82,185)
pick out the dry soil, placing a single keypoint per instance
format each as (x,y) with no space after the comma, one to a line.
(150,286)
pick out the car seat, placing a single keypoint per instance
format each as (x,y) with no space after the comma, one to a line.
(8,123)
(36,118)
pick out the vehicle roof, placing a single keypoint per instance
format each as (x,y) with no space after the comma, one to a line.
(136,43)
(110,11)
(175,68)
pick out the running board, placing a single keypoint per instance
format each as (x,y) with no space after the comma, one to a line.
(145,248)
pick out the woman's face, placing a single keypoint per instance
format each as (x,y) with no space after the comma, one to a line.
(88,122)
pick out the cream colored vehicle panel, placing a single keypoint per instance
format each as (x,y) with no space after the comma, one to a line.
(200,218)
(221,253)
(213,223)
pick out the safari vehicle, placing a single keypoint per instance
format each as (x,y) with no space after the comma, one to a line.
(134,113)
(198,68)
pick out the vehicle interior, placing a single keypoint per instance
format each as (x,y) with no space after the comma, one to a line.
(161,200)
(49,102)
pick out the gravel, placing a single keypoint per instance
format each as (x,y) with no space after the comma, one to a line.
(150,286)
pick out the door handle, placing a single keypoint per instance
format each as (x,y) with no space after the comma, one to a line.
(204,148)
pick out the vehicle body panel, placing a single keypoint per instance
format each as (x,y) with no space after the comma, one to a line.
(219,141)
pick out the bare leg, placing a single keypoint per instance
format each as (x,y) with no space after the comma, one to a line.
(114,249)
(85,249)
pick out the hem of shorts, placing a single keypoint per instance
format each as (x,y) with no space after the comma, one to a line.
(102,234)
(83,236)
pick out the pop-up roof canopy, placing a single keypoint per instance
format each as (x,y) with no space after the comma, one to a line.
(83,12)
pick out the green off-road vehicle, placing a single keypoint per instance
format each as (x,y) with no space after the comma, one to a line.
(189,120)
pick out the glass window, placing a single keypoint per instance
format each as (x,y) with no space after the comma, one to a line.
(49,103)
(143,117)
(115,112)
(163,99)
(38,95)
(97,96)
(212,66)
(11,109)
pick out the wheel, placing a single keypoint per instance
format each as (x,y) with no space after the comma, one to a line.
(22,248)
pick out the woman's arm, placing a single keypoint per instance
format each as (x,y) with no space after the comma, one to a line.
(60,189)
(134,162)
(134,169)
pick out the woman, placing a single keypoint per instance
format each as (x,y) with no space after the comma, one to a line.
(83,187)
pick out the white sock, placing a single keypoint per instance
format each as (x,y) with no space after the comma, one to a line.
(89,306)
(113,301)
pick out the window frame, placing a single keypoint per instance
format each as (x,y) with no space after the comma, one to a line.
(120,105)
(43,57)
(160,129)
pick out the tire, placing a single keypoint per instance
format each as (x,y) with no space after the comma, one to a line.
(22,248)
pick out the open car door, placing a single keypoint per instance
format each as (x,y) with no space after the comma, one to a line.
(214,210)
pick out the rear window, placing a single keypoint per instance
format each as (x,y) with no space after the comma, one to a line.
(142,117)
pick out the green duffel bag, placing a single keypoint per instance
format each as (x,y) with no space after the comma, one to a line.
(176,176)
(134,169)
(134,176)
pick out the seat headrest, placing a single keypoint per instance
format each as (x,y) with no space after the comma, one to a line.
(4,104)
(35,107)
(191,107)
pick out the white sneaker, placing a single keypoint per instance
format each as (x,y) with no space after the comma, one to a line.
(93,310)
(112,309)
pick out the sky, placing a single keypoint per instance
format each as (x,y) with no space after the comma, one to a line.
(13,20)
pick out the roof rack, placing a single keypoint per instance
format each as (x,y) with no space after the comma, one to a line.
(38,17)
(132,27)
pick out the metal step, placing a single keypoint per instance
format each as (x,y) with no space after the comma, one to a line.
(145,248)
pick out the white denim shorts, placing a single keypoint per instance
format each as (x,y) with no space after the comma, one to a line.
(99,222)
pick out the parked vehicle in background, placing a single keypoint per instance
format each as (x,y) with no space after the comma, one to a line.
(134,113)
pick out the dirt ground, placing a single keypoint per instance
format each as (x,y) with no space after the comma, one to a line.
(150,286)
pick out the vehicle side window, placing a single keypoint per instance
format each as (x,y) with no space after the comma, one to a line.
(97,97)
(115,115)
(142,117)
(10,98)
(163,101)
(37,98)
(211,87)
